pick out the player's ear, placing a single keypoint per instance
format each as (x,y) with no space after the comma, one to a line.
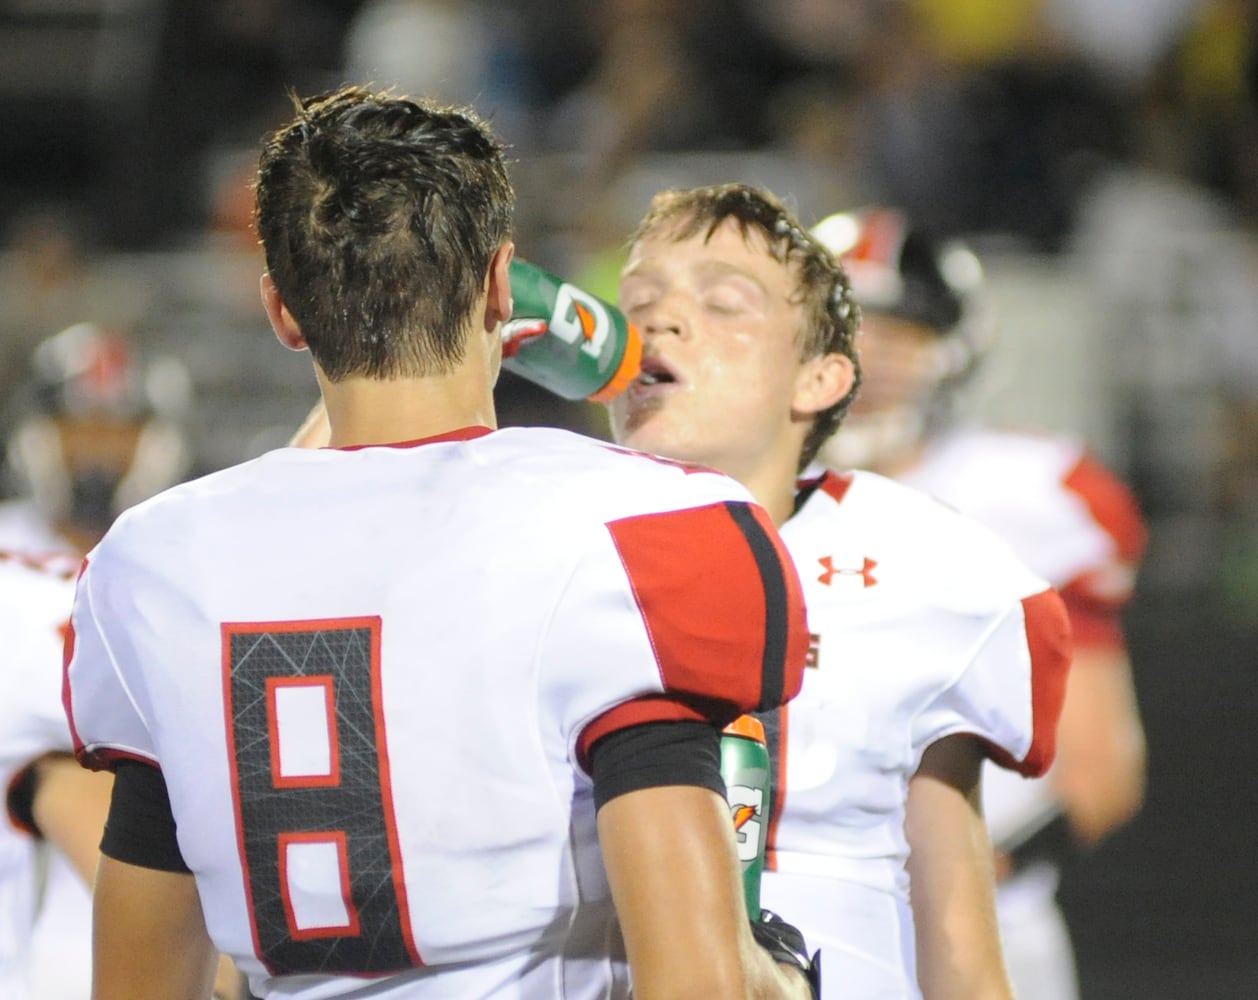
(821,382)
(282,322)
(498,287)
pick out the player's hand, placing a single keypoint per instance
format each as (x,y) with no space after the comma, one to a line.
(785,943)
(517,332)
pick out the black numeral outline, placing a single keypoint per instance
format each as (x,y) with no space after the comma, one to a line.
(350,807)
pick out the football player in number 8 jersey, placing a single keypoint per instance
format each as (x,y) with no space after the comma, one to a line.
(435,711)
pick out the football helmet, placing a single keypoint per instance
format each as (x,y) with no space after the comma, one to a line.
(101,429)
(930,296)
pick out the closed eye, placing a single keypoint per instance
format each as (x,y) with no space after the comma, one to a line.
(725,305)
(630,306)
(731,295)
(637,293)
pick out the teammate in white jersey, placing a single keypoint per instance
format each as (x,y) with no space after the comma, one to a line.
(933,648)
(51,803)
(98,430)
(432,712)
(1067,517)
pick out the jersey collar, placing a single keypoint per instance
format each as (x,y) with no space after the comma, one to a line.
(458,434)
(814,478)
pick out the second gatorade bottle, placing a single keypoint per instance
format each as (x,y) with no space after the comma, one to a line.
(745,768)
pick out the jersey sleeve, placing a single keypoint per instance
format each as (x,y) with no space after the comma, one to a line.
(695,614)
(105,723)
(1096,596)
(32,720)
(1011,690)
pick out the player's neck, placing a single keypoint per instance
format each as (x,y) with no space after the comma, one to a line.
(374,411)
(901,462)
(771,481)
(889,442)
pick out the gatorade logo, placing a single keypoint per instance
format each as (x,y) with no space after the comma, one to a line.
(586,318)
(742,814)
(580,318)
(745,804)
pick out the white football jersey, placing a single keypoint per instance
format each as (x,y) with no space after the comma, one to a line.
(24,529)
(60,948)
(1065,515)
(1072,522)
(924,625)
(34,608)
(370,677)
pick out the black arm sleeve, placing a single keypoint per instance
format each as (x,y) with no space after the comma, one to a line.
(654,754)
(20,801)
(23,789)
(140,829)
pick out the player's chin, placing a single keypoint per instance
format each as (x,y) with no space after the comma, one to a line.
(633,417)
(651,433)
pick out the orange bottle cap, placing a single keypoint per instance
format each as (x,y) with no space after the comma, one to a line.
(746,725)
(630,365)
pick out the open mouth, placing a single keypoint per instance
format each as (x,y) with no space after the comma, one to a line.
(656,371)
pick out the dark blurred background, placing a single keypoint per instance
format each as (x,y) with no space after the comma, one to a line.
(1101,155)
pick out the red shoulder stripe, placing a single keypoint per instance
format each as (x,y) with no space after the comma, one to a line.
(1048,638)
(721,602)
(1093,623)
(67,700)
(1111,504)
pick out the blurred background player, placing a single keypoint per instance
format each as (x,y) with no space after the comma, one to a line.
(928,634)
(926,326)
(55,810)
(96,430)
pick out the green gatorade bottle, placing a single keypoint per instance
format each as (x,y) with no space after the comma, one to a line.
(745,768)
(567,340)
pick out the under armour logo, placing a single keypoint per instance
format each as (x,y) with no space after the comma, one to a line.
(866,572)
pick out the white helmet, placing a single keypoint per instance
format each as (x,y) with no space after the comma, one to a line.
(102,429)
(900,271)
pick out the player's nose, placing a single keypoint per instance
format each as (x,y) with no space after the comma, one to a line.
(663,317)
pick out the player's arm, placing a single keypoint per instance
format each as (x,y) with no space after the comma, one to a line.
(162,909)
(1099,774)
(673,869)
(951,877)
(149,940)
(68,806)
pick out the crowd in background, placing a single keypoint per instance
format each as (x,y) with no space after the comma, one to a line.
(985,115)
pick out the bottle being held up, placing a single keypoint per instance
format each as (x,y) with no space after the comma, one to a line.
(567,340)
(745,768)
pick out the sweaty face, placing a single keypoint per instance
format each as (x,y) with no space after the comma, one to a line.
(720,360)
